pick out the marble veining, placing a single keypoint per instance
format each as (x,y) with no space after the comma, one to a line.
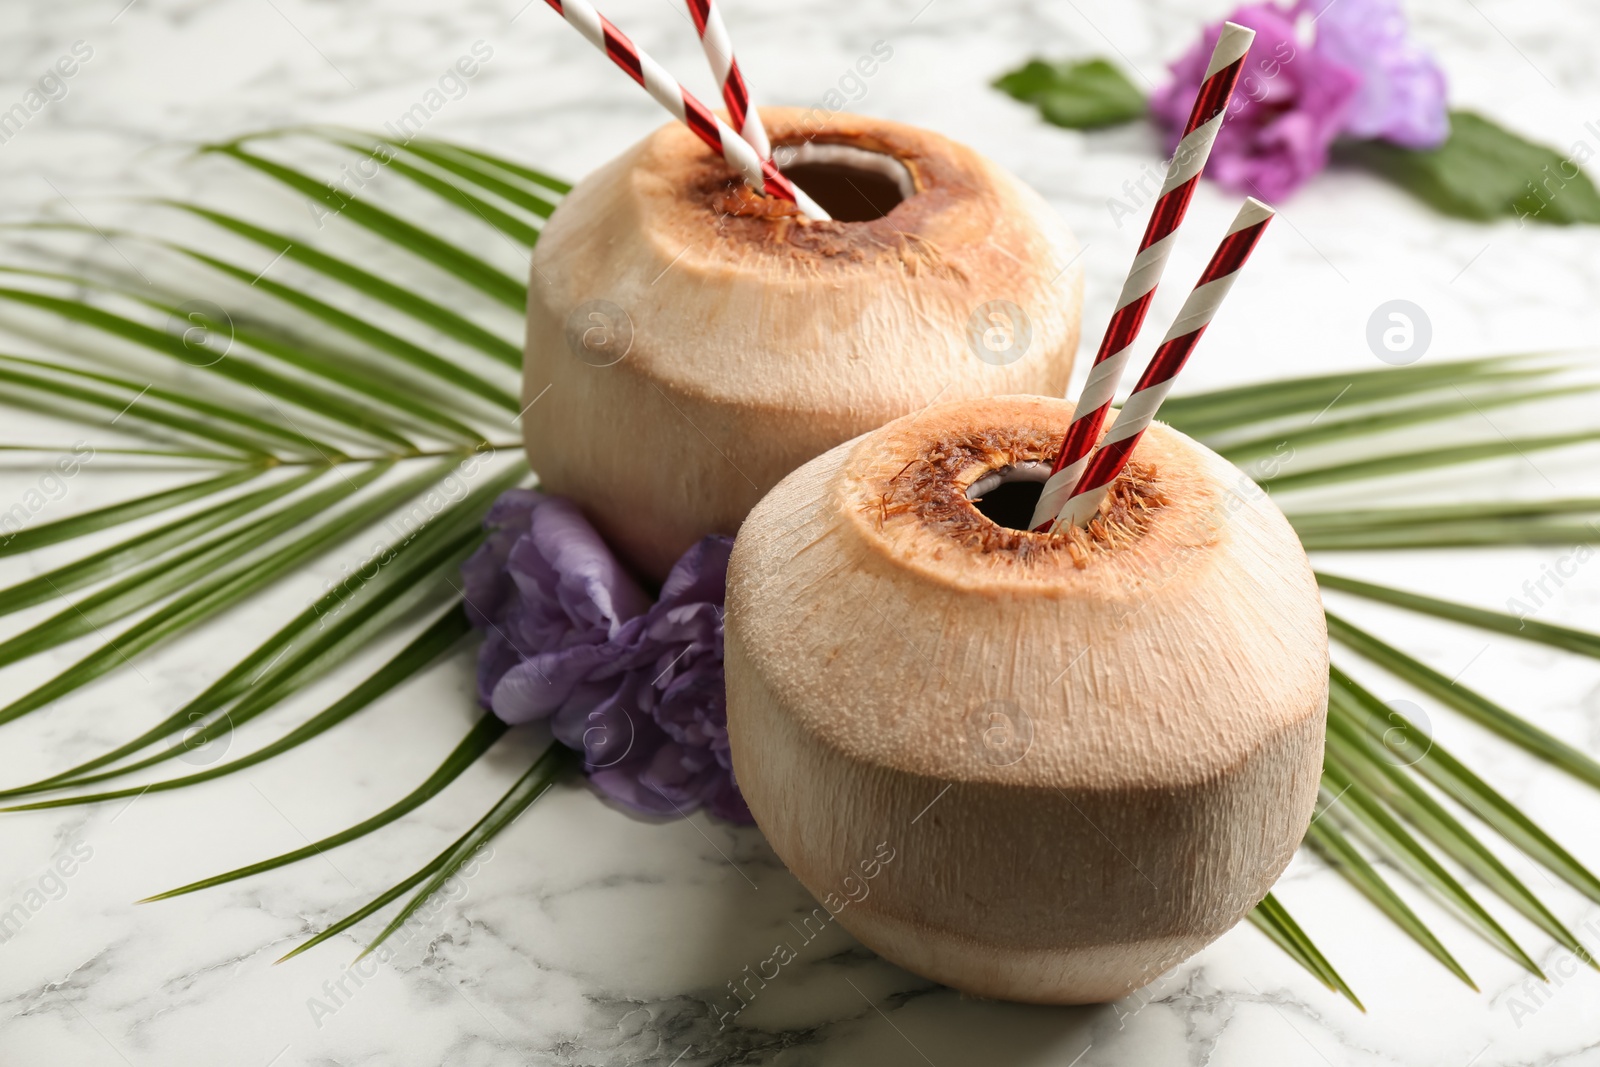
(585,936)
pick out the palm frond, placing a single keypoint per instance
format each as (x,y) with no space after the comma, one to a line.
(130,401)
(360,330)
(1375,823)
(1386,420)
(485,733)
(420,653)
(306,442)
(1468,702)
(347,395)
(105,518)
(305,645)
(1363,711)
(406,302)
(1582,642)
(355,378)
(513,227)
(464,265)
(544,773)
(1366,761)
(270,384)
(142,547)
(1274,920)
(1425,459)
(506,180)
(1208,414)
(1329,842)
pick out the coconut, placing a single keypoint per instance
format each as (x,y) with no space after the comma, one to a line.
(1087,755)
(690,343)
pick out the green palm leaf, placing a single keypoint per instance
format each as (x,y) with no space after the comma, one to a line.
(1343,856)
(176,454)
(146,546)
(1368,762)
(1272,919)
(354,326)
(478,740)
(1366,424)
(1360,519)
(419,654)
(356,357)
(268,383)
(307,645)
(495,163)
(229,585)
(1461,534)
(1208,414)
(88,522)
(278,680)
(366,283)
(150,584)
(355,377)
(1476,707)
(508,224)
(1425,459)
(1580,641)
(544,773)
(232,584)
(1363,711)
(129,404)
(493,178)
(442,254)
(223,409)
(1404,851)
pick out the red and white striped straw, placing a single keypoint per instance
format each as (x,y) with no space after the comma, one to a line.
(1197,313)
(719,53)
(1183,174)
(762,175)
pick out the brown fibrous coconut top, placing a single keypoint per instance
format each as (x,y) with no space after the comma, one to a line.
(955,203)
(735,300)
(905,490)
(933,487)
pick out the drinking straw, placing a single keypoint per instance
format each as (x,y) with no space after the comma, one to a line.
(1183,174)
(1198,310)
(725,68)
(762,175)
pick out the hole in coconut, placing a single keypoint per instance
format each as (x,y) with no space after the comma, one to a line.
(1007,496)
(849,183)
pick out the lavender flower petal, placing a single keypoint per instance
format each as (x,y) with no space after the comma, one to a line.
(1290,103)
(636,687)
(1402,93)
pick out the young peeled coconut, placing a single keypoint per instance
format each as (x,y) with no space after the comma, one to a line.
(1089,754)
(690,343)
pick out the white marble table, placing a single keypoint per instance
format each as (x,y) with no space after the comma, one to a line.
(591,937)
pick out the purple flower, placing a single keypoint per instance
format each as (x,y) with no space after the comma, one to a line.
(1402,92)
(1361,76)
(637,688)
(1289,105)
(550,596)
